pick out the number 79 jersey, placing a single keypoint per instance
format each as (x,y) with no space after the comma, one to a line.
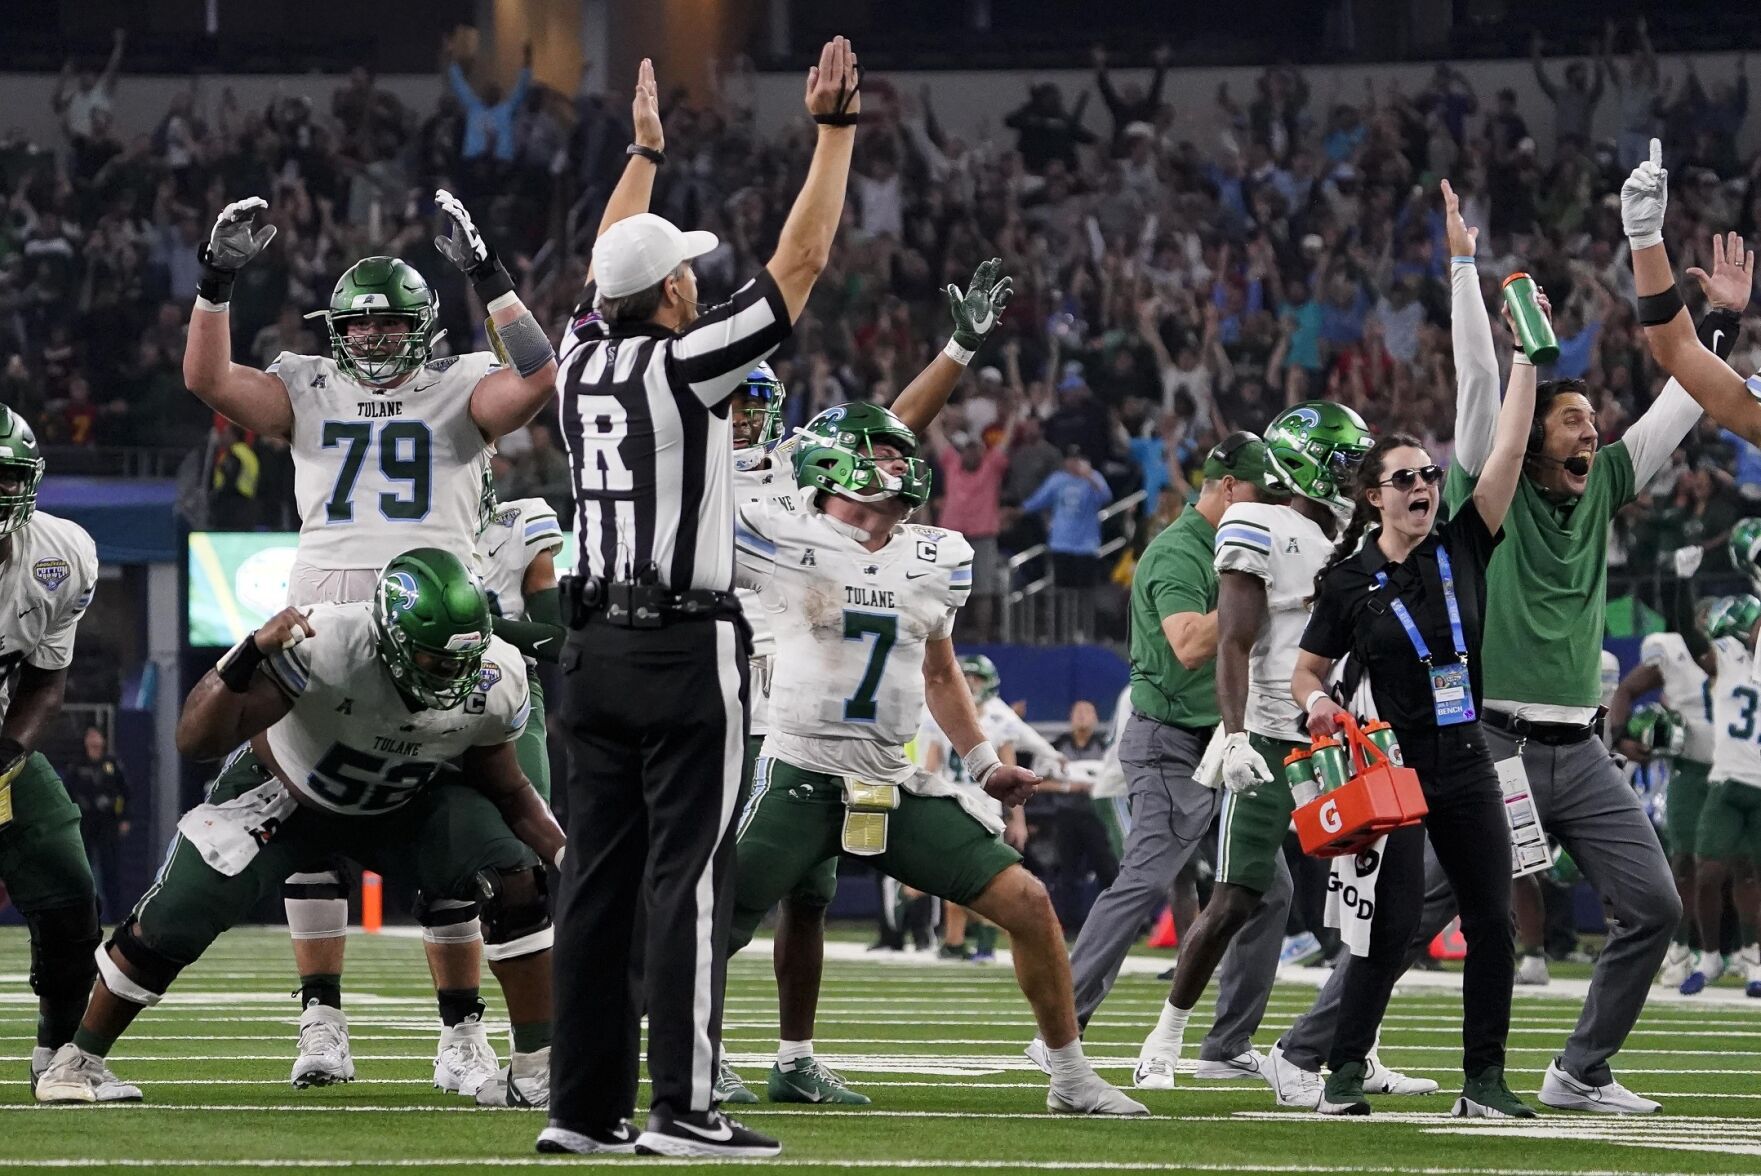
(1736,716)
(351,744)
(380,471)
(850,624)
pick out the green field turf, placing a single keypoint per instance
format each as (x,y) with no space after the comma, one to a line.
(938,1047)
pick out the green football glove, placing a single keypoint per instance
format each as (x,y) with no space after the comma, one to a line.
(977,308)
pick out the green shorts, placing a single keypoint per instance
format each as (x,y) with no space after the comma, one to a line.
(440,841)
(793,826)
(1252,826)
(42,859)
(1730,823)
(532,748)
(819,885)
(1683,799)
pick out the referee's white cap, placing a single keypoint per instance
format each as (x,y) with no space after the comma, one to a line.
(640,250)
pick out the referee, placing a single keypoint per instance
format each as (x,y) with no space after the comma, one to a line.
(654,669)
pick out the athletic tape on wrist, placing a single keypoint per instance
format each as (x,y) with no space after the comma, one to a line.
(1522,357)
(212,307)
(527,347)
(981,761)
(1308,704)
(120,985)
(1462,259)
(959,354)
(237,664)
(1644,241)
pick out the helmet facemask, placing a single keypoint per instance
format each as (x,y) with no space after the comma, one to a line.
(381,356)
(19,479)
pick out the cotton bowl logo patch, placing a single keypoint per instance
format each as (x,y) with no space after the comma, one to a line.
(400,592)
(489,677)
(507,518)
(51,573)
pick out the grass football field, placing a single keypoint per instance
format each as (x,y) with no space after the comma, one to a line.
(937,1046)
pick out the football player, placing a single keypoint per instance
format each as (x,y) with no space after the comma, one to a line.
(862,606)
(391,450)
(351,713)
(48,569)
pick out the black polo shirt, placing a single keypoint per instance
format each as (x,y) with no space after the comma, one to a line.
(1351,615)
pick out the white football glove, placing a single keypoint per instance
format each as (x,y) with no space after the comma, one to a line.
(232,243)
(1643,199)
(1687,561)
(463,245)
(1244,769)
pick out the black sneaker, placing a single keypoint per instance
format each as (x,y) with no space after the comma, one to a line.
(617,1140)
(703,1133)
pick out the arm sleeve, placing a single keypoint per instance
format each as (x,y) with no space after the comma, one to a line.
(55,651)
(1476,369)
(541,634)
(714,354)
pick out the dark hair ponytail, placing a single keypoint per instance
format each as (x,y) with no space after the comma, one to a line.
(1369,475)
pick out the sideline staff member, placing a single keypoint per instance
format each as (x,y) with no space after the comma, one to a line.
(655,668)
(1174,710)
(1408,608)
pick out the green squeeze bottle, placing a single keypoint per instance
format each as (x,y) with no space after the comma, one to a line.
(1533,330)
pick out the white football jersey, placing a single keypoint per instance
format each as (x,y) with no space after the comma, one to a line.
(1686,690)
(518,533)
(999,724)
(1736,716)
(352,744)
(47,583)
(379,471)
(758,472)
(1284,548)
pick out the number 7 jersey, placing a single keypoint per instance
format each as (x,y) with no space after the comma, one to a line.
(378,471)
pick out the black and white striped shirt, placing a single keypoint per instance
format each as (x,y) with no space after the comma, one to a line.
(650,442)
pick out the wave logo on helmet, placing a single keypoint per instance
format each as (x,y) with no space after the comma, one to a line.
(1308,416)
(400,592)
(833,415)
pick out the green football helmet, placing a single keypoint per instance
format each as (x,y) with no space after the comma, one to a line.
(1703,609)
(381,287)
(1657,729)
(432,623)
(977,665)
(835,454)
(21,471)
(1745,547)
(1318,446)
(1733,616)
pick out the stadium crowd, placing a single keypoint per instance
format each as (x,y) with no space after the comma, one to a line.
(1167,291)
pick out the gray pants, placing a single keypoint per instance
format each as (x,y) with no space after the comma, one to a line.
(1587,805)
(1170,815)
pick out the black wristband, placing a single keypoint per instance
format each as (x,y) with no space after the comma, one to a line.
(1657,309)
(651,154)
(837,118)
(215,284)
(490,279)
(1718,329)
(239,663)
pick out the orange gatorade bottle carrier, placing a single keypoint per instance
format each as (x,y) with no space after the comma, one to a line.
(1379,795)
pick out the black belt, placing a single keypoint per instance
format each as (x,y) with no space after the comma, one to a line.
(642,606)
(1553,734)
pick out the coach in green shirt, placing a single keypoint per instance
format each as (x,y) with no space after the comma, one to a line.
(1174,710)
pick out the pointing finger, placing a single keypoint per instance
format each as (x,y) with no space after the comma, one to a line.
(1657,153)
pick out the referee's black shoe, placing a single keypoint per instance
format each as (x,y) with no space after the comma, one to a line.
(616,1140)
(703,1133)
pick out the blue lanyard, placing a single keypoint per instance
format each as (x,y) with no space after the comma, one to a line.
(1405,618)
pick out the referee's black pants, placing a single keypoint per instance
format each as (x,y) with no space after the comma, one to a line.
(1471,837)
(655,725)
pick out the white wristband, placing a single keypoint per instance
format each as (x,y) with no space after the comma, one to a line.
(1308,704)
(1644,241)
(981,761)
(1522,357)
(211,307)
(508,299)
(958,353)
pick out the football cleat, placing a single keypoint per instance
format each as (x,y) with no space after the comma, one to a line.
(703,1133)
(1379,1079)
(1487,1096)
(1563,1092)
(523,1082)
(324,1048)
(1293,1086)
(1038,1054)
(1299,949)
(805,1080)
(466,1060)
(954,951)
(71,1075)
(1090,1094)
(1155,1068)
(1533,970)
(1706,968)
(729,1087)
(618,1140)
(1242,1065)
(1676,966)
(1343,1093)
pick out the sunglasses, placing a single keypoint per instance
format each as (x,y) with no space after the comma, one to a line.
(1407,479)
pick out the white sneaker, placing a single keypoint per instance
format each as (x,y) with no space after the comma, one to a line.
(1242,1065)
(1748,962)
(1676,966)
(1091,1095)
(1561,1091)
(1039,1055)
(70,1074)
(523,1082)
(465,1060)
(324,1048)
(1379,1079)
(1156,1062)
(1533,970)
(1293,1086)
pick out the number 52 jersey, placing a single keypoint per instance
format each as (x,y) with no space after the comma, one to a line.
(351,744)
(378,471)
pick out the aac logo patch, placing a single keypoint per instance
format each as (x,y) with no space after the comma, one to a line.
(51,573)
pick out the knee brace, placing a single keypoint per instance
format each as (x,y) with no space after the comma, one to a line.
(516,913)
(156,969)
(62,942)
(317,905)
(448,920)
